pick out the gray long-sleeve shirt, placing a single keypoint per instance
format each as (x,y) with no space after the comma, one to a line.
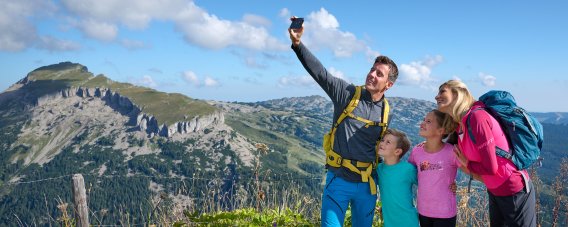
(352,139)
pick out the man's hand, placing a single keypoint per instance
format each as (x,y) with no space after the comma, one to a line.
(295,34)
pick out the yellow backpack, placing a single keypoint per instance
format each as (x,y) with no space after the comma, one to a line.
(335,160)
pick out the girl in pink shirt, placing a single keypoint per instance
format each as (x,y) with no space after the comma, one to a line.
(437,167)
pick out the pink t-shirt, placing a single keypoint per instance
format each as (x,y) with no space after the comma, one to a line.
(436,171)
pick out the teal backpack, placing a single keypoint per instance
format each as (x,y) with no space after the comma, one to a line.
(524,133)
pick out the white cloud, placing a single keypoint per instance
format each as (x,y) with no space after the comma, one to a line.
(205,32)
(102,17)
(16,36)
(322,31)
(146,81)
(134,14)
(17,33)
(285,13)
(102,31)
(418,73)
(337,73)
(190,77)
(302,81)
(371,55)
(487,80)
(324,20)
(210,82)
(256,20)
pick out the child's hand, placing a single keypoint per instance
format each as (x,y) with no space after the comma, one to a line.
(421,144)
(454,187)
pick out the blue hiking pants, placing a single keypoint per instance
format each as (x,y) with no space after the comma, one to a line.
(338,194)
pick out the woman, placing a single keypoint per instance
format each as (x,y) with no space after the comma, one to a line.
(511,194)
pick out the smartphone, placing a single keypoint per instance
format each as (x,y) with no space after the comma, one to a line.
(297,23)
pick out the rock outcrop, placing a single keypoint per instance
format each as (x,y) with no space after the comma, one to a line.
(143,121)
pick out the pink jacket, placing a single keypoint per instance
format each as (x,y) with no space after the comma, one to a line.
(499,175)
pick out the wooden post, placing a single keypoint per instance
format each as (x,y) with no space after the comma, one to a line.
(80,201)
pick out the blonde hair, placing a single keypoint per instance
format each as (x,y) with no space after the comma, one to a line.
(463,100)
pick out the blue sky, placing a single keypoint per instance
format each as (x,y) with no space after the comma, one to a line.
(240,50)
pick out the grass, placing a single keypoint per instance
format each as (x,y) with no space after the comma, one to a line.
(296,152)
(296,132)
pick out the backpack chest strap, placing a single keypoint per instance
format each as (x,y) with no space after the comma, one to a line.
(335,160)
(366,121)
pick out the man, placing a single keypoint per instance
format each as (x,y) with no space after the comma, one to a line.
(351,177)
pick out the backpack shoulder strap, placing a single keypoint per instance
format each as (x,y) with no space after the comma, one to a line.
(350,107)
(498,151)
(385,117)
(469,125)
(384,123)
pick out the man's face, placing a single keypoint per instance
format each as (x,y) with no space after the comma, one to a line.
(378,78)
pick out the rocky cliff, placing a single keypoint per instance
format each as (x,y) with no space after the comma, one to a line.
(144,122)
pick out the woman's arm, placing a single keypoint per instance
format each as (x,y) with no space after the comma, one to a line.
(466,171)
(461,163)
(481,125)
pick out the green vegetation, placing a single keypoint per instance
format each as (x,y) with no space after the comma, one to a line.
(98,81)
(167,108)
(293,138)
(250,217)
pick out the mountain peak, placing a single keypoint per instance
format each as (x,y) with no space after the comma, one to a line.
(63,66)
(64,71)
(161,112)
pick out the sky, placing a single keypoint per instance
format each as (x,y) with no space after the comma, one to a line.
(240,50)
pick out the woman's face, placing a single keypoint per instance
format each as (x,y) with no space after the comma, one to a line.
(445,99)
